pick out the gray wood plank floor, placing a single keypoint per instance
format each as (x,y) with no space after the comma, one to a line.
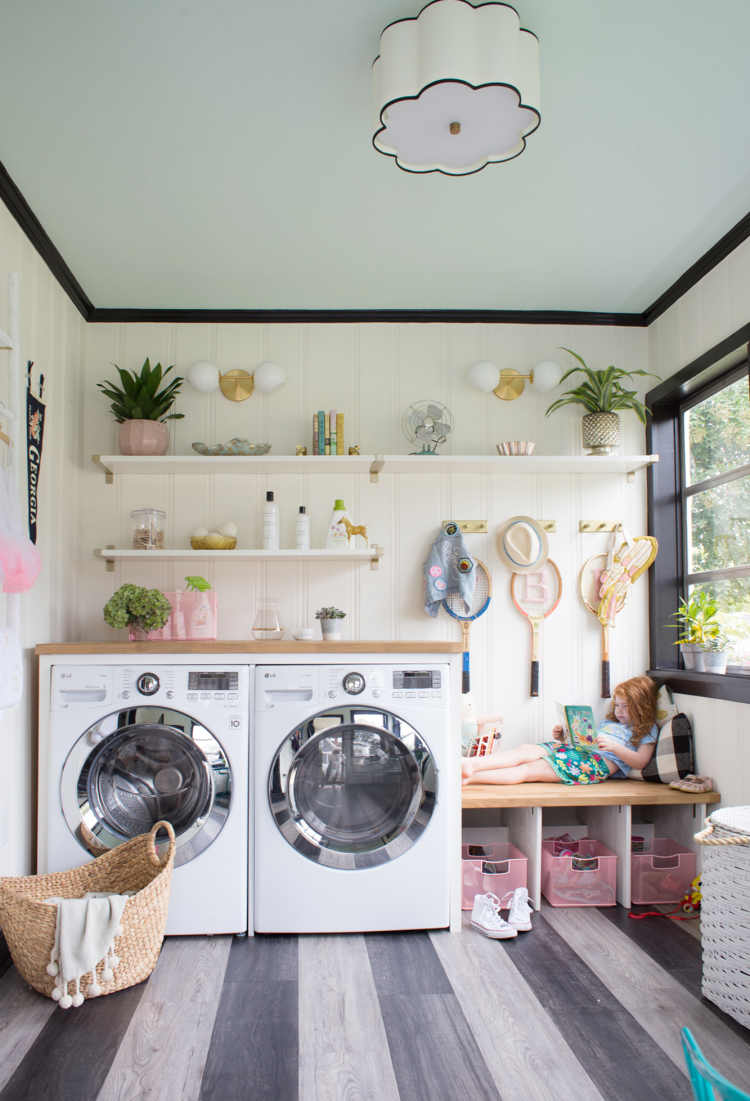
(586,1007)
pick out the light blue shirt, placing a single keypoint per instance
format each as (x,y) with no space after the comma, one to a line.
(624,735)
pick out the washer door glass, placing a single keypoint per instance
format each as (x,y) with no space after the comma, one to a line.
(134,767)
(352,787)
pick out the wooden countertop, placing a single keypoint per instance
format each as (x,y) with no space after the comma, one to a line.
(250,646)
(608,793)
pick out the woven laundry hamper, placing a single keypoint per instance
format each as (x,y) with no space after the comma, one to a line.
(725,911)
(29,923)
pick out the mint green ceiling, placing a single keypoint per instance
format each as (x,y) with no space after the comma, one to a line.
(219,155)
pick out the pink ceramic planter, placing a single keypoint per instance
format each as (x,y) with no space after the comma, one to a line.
(143,438)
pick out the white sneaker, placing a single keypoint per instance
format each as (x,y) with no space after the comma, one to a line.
(519,914)
(485,917)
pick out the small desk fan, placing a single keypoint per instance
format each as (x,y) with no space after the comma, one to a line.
(427,424)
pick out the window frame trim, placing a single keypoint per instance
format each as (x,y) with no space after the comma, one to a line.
(665,489)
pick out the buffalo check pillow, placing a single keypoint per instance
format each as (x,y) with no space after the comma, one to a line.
(674,756)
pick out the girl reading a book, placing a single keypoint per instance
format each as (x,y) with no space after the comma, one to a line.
(626,739)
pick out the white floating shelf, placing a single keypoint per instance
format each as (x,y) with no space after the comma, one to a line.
(372,555)
(515,464)
(372,464)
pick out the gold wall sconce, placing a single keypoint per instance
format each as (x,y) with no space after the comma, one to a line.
(237,384)
(509,384)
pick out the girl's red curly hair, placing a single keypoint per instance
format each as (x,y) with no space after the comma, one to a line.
(640,695)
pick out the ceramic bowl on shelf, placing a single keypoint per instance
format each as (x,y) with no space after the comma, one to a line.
(213,541)
(235,446)
(516,447)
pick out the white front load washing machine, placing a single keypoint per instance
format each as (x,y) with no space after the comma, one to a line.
(130,744)
(351,822)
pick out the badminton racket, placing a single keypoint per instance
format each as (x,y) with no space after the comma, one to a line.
(480,602)
(588,586)
(536,595)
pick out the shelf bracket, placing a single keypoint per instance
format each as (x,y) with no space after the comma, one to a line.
(108,475)
(376,553)
(375,467)
(109,563)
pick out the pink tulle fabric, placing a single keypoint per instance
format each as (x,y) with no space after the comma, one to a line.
(20,561)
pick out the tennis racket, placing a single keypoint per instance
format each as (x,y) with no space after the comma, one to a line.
(588,586)
(536,595)
(480,602)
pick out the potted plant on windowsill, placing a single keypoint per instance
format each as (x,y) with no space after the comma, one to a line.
(330,622)
(602,394)
(142,409)
(701,642)
(139,609)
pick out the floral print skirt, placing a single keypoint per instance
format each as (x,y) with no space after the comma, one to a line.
(575,766)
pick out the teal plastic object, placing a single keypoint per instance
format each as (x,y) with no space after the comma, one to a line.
(707,1083)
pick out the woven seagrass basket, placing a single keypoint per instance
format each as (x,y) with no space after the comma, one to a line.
(29,923)
(725,911)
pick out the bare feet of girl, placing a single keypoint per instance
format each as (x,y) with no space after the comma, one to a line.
(467,769)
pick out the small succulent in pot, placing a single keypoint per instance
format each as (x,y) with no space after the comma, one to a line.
(330,622)
(602,395)
(142,408)
(138,608)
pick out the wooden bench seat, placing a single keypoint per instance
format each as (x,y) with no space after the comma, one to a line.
(607,793)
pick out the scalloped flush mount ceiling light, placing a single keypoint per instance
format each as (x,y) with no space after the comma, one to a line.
(457,88)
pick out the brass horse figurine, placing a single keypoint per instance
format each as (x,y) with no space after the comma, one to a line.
(354,529)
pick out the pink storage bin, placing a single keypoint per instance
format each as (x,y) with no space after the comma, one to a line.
(663,873)
(511,870)
(578,873)
(193,617)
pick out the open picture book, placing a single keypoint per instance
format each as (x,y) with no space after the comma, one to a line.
(579,725)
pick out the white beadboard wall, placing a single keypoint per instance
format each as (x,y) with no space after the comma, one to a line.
(51,333)
(372,372)
(713,309)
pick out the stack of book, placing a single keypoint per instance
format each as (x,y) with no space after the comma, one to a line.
(328,433)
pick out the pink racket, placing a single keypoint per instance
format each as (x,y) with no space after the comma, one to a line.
(536,595)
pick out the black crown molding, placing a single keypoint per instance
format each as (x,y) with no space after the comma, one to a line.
(34,230)
(501,317)
(36,233)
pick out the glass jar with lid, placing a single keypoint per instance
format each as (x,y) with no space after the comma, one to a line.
(148,528)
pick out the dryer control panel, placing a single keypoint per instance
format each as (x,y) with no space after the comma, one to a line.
(323,685)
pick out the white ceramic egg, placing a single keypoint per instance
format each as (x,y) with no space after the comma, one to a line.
(199,533)
(229,529)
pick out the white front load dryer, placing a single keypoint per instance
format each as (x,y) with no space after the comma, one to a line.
(351,819)
(130,744)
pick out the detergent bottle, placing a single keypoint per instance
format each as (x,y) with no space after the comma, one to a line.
(337,538)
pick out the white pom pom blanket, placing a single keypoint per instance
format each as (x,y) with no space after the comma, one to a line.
(84,937)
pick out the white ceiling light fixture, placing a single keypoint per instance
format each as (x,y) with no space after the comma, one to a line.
(509,384)
(236,385)
(457,87)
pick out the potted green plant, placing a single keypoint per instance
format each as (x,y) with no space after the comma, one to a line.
(139,609)
(142,409)
(330,620)
(602,394)
(699,629)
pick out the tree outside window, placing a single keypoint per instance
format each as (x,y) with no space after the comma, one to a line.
(716,507)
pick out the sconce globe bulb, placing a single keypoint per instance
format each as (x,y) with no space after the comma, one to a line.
(483,376)
(203,376)
(546,376)
(268,377)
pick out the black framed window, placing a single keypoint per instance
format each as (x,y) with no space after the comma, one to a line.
(699,510)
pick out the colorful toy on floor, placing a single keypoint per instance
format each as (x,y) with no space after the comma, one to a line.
(690,907)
